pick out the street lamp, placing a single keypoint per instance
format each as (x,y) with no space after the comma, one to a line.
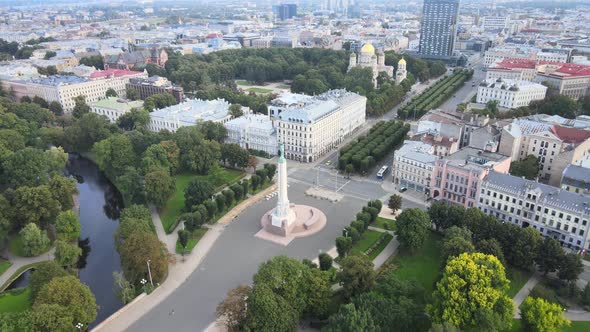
(143,282)
(79,326)
(150,272)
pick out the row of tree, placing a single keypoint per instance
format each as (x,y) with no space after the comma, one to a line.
(435,95)
(352,233)
(363,153)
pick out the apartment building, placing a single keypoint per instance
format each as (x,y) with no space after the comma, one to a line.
(457,178)
(155,85)
(510,93)
(554,212)
(189,113)
(576,179)
(311,126)
(412,166)
(555,146)
(253,131)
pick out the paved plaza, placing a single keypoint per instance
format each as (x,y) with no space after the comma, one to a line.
(235,257)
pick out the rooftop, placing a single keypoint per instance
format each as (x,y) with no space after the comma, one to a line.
(56,80)
(194,110)
(310,112)
(119,104)
(577,173)
(114,73)
(550,196)
(470,157)
(255,121)
(417,151)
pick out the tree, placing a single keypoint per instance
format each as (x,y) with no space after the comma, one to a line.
(159,186)
(70,293)
(585,297)
(351,319)
(528,167)
(134,119)
(394,203)
(131,185)
(220,201)
(357,275)
(67,226)
(491,247)
(539,315)
(114,154)
(135,252)
(29,167)
(63,190)
(325,261)
(95,61)
(132,93)
(471,294)
(55,108)
(183,236)
(255,181)
(438,213)
(549,256)
(454,246)
(197,191)
(124,289)
(159,101)
(128,226)
(173,153)
(570,268)
(196,153)
(66,254)
(42,275)
(236,110)
(232,310)
(343,245)
(268,311)
(80,107)
(111,93)
(229,197)
(35,241)
(40,101)
(252,162)
(34,205)
(349,169)
(89,129)
(524,248)
(412,228)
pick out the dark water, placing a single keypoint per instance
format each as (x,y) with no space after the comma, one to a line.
(21,281)
(100,205)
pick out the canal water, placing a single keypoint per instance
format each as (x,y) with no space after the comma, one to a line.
(100,205)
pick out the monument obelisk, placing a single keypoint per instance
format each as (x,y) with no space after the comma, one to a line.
(282,216)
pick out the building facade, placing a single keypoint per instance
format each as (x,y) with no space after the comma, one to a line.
(554,212)
(412,166)
(113,107)
(576,179)
(510,93)
(189,113)
(368,58)
(457,178)
(439,28)
(253,132)
(311,126)
(155,85)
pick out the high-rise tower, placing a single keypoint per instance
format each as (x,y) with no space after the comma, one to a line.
(438,28)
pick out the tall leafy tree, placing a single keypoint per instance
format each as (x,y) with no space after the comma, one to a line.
(35,241)
(159,186)
(63,190)
(471,294)
(114,154)
(357,275)
(42,275)
(80,107)
(570,268)
(197,191)
(135,252)
(71,294)
(351,319)
(550,256)
(268,311)
(232,310)
(67,254)
(412,228)
(539,315)
(196,153)
(35,205)
(67,225)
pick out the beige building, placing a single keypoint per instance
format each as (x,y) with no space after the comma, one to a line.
(412,166)
(311,126)
(555,146)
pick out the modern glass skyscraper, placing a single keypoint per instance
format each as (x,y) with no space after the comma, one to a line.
(439,27)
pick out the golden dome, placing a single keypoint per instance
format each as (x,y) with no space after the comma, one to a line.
(368,48)
(402,62)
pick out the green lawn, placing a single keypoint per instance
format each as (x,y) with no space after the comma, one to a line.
(15,300)
(423,265)
(4,265)
(284,86)
(192,241)
(517,279)
(259,90)
(381,222)
(366,241)
(575,327)
(244,83)
(218,176)
(15,245)
(387,238)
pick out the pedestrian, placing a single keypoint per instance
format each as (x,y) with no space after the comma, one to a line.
(171,312)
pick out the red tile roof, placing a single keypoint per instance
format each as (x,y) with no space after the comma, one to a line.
(570,135)
(572,69)
(114,72)
(507,63)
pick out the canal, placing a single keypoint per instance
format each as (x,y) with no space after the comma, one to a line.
(100,204)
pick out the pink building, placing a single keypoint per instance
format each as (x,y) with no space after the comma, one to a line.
(457,178)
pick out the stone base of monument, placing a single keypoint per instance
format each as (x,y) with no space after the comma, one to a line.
(308,220)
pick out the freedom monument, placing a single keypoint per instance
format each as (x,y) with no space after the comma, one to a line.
(288,221)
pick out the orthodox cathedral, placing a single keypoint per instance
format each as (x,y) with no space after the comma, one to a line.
(376,61)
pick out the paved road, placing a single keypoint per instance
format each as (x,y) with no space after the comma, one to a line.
(235,257)
(466,92)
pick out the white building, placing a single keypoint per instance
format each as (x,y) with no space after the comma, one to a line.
(510,93)
(253,131)
(495,22)
(114,107)
(554,212)
(189,113)
(367,58)
(412,166)
(64,89)
(311,126)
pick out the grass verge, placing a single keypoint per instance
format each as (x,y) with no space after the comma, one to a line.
(384,223)
(219,177)
(17,273)
(367,240)
(192,241)
(4,265)
(575,327)
(15,300)
(517,279)
(259,90)
(380,245)
(283,86)
(16,246)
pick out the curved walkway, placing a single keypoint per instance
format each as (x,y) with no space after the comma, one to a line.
(179,272)
(18,262)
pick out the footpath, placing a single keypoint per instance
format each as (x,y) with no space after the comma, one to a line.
(179,271)
(18,262)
